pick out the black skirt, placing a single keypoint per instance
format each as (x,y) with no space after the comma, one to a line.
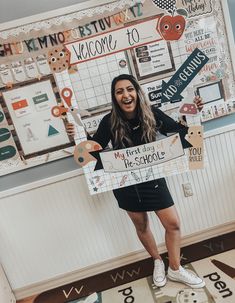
(147,196)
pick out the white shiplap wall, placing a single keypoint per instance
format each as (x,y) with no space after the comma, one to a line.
(58,229)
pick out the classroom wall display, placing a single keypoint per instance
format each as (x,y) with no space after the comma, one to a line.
(29,133)
(85,49)
(153,59)
(29,108)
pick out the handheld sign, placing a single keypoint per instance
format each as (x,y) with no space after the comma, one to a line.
(171,90)
(142,156)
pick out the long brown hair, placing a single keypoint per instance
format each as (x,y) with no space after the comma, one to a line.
(119,124)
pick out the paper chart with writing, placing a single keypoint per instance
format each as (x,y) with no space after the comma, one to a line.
(30,110)
(206,33)
(196,8)
(203,35)
(152,59)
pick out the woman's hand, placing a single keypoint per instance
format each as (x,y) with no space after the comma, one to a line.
(198,102)
(70,129)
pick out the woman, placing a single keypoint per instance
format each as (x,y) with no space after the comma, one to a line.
(132,122)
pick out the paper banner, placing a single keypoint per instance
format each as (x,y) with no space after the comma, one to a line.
(114,41)
(143,155)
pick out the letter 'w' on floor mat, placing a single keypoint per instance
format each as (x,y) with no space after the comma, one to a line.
(133,283)
(217,271)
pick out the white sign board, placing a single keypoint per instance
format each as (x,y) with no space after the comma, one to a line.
(143,155)
(114,41)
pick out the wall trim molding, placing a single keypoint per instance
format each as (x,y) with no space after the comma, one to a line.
(110,264)
(79,172)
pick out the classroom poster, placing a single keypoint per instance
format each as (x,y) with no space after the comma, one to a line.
(30,110)
(106,41)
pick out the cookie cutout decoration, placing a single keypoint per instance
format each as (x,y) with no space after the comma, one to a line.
(82,151)
(58,59)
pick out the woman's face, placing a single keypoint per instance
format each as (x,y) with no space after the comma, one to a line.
(126,97)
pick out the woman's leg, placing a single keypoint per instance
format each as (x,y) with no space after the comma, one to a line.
(141,222)
(170,220)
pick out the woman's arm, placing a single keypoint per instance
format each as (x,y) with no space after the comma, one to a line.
(169,125)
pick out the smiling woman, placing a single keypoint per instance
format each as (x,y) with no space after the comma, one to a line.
(132,122)
(126,97)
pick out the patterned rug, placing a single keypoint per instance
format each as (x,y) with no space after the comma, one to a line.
(213,259)
(218,272)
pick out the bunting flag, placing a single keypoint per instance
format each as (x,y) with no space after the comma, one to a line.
(168,5)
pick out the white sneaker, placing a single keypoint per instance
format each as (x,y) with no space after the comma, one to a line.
(187,277)
(159,275)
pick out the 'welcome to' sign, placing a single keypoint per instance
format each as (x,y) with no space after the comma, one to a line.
(113,41)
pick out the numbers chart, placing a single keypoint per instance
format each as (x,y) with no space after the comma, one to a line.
(93,122)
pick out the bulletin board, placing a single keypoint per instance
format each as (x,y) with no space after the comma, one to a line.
(32,136)
(36,129)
